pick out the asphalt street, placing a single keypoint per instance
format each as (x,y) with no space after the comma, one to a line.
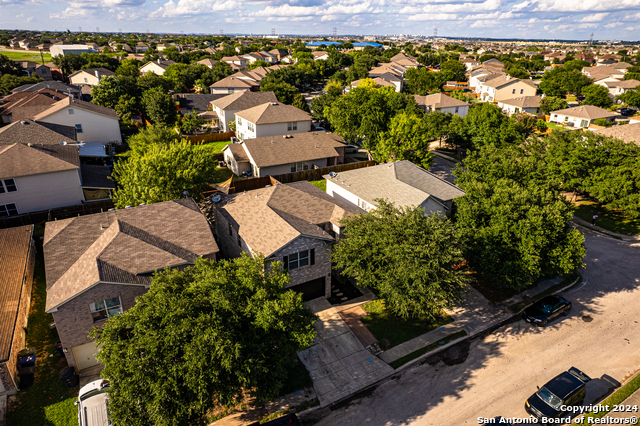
(494,375)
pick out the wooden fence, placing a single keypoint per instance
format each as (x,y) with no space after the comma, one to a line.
(316,174)
(56,214)
(209,137)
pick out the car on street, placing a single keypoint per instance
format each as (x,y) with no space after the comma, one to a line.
(566,389)
(93,404)
(626,111)
(546,309)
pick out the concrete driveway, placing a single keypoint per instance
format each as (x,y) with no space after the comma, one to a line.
(495,374)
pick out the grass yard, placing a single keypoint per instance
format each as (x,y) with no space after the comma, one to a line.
(216,147)
(48,401)
(18,55)
(391,330)
(617,398)
(322,184)
(609,219)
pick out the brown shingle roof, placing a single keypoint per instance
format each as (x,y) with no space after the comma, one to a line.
(238,152)
(103,72)
(629,133)
(75,103)
(505,80)
(244,100)
(273,112)
(231,81)
(439,100)
(29,131)
(267,219)
(23,160)
(275,150)
(122,246)
(15,244)
(523,102)
(588,112)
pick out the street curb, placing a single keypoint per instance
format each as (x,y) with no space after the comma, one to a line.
(606,234)
(612,392)
(565,288)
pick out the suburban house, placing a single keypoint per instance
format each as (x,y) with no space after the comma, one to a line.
(478,76)
(581,116)
(275,155)
(208,62)
(470,63)
(320,55)
(505,87)
(443,103)
(604,72)
(236,62)
(630,133)
(405,60)
(17,260)
(65,49)
(271,119)
(279,54)
(157,67)
(34,69)
(141,47)
(295,224)
(252,57)
(96,265)
(19,105)
(390,74)
(618,87)
(528,104)
(90,76)
(66,89)
(400,182)
(93,123)
(232,84)
(227,106)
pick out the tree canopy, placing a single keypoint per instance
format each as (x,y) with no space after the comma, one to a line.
(159,107)
(597,95)
(407,139)
(201,337)
(412,260)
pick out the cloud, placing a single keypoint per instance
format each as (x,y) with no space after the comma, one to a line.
(433,17)
(585,5)
(613,25)
(195,7)
(596,17)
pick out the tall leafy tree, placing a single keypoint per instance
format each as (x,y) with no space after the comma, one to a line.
(7,66)
(285,92)
(552,103)
(597,95)
(163,173)
(300,103)
(407,139)
(159,106)
(199,339)
(411,259)
(107,92)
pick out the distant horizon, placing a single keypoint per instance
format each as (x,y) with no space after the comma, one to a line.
(494,19)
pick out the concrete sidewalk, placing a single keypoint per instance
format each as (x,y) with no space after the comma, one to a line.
(630,238)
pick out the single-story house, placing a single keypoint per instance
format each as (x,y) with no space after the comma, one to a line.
(443,103)
(630,133)
(528,104)
(275,155)
(296,224)
(227,106)
(271,119)
(617,87)
(400,182)
(96,265)
(581,116)
(90,76)
(158,67)
(17,260)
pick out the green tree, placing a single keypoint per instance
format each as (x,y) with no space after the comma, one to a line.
(596,95)
(127,107)
(190,123)
(8,82)
(542,126)
(163,173)
(107,92)
(333,90)
(631,97)
(562,80)
(486,124)
(258,64)
(517,72)
(552,103)
(300,103)
(407,139)
(7,66)
(285,92)
(456,69)
(149,137)
(410,259)
(69,63)
(201,337)
(159,107)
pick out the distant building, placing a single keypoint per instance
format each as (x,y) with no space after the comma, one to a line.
(65,49)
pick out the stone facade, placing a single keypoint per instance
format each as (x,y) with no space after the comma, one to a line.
(73,319)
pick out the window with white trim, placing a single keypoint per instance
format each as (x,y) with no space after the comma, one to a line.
(299,260)
(78,128)
(8,210)
(106,309)
(8,185)
(292,126)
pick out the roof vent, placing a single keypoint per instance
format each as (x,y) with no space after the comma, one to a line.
(274,103)
(216,198)
(333,174)
(24,122)
(127,207)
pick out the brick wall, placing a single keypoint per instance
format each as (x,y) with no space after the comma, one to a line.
(74,321)
(228,244)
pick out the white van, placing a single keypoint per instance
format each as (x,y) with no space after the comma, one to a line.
(93,404)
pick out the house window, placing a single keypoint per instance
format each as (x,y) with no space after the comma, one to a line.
(9,186)
(584,123)
(105,309)
(239,240)
(299,166)
(251,127)
(239,121)
(230,90)
(300,259)
(230,230)
(8,210)
(70,111)
(292,126)
(521,91)
(513,92)
(456,110)
(85,80)
(78,128)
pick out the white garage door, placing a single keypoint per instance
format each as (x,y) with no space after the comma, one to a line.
(85,356)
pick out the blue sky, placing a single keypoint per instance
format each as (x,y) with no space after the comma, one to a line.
(561,19)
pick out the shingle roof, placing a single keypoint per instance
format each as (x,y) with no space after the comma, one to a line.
(56,85)
(238,152)
(439,100)
(589,112)
(629,133)
(29,131)
(102,71)
(244,100)
(200,103)
(23,160)
(275,150)
(122,246)
(504,80)
(273,112)
(401,182)
(231,81)
(523,102)
(269,218)
(75,103)
(15,244)
(96,176)
(625,84)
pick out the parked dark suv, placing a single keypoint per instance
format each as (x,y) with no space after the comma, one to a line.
(546,309)
(568,388)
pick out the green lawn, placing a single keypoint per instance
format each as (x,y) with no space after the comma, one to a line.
(617,398)
(26,56)
(322,184)
(609,219)
(216,147)
(48,402)
(391,330)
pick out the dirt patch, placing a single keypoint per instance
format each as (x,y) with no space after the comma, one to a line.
(455,354)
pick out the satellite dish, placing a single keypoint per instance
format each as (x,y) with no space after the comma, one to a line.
(333,174)
(216,198)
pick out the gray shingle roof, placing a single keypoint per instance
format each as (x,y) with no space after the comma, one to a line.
(273,112)
(29,131)
(628,132)
(94,176)
(275,150)
(199,103)
(244,100)
(22,160)
(589,112)
(401,182)
(55,85)
(439,100)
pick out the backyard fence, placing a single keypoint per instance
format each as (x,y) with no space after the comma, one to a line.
(316,174)
(209,137)
(56,214)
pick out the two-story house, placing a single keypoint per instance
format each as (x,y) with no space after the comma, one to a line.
(506,87)
(275,155)
(527,104)
(157,67)
(90,76)
(271,119)
(295,224)
(34,69)
(227,106)
(96,265)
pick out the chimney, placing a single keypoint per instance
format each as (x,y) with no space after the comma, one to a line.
(97,74)
(159,61)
